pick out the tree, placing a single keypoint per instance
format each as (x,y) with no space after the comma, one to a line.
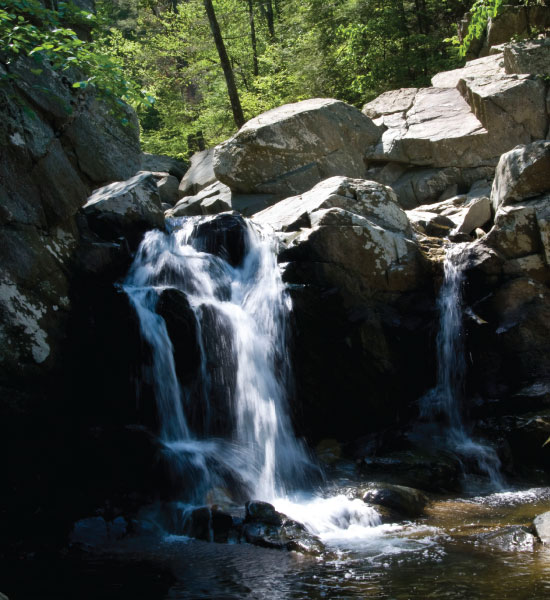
(236,107)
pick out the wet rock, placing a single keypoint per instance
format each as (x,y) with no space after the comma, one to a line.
(181,325)
(125,208)
(163,164)
(406,501)
(264,526)
(541,525)
(510,539)
(224,236)
(90,533)
(199,175)
(522,173)
(289,149)
(428,470)
(209,524)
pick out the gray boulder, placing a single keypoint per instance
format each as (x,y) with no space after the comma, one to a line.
(168,188)
(217,198)
(125,208)
(403,500)
(522,173)
(541,524)
(163,164)
(289,149)
(513,538)
(529,56)
(480,67)
(199,175)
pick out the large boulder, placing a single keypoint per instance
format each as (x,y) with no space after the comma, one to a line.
(199,175)
(163,164)
(217,198)
(430,126)
(348,251)
(522,173)
(486,66)
(541,524)
(125,208)
(289,149)
(511,107)
(529,56)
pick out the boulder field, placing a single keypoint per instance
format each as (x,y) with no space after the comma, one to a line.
(362,205)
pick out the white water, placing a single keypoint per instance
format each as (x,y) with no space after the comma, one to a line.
(444,401)
(241,315)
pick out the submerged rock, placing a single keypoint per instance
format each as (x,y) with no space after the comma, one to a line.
(509,539)
(406,501)
(289,149)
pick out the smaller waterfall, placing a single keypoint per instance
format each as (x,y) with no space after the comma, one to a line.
(242,434)
(443,403)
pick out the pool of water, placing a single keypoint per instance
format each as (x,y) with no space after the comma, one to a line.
(445,554)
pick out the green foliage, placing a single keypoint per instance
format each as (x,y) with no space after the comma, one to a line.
(47,36)
(480,13)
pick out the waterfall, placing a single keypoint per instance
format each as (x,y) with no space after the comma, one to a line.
(233,426)
(444,401)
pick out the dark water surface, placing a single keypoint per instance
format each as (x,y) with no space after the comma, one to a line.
(444,555)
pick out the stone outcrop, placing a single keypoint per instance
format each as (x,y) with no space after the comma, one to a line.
(522,173)
(199,175)
(348,251)
(289,149)
(530,56)
(217,198)
(488,66)
(125,208)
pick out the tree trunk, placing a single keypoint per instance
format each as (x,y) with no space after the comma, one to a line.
(267,10)
(253,37)
(226,65)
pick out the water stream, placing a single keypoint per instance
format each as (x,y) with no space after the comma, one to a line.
(443,404)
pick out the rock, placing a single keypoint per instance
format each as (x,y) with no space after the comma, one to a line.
(511,107)
(125,208)
(168,189)
(106,150)
(217,198)
(510,539)
(264,526)
(199,175)
(262,512)
(426,469)
(511,21)
(417,186)
(481,67)
(529,56)
(368,199)
(541,524)
(459,214)
(163,164)
(389,103)
(438,129)
(209,524)
(211,200)
(90,533)
(181,325)
(223,235)
(522,173)
(521,229)
(289,149)
(406,501)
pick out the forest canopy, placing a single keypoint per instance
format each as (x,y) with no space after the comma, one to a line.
(160,55)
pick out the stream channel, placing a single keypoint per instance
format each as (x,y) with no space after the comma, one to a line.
(230,438)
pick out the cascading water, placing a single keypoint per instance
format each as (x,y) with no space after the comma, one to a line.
(243,437)
(241,315)
(444,401)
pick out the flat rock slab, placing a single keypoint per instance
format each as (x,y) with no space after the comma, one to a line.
(486,66)
(289,149)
